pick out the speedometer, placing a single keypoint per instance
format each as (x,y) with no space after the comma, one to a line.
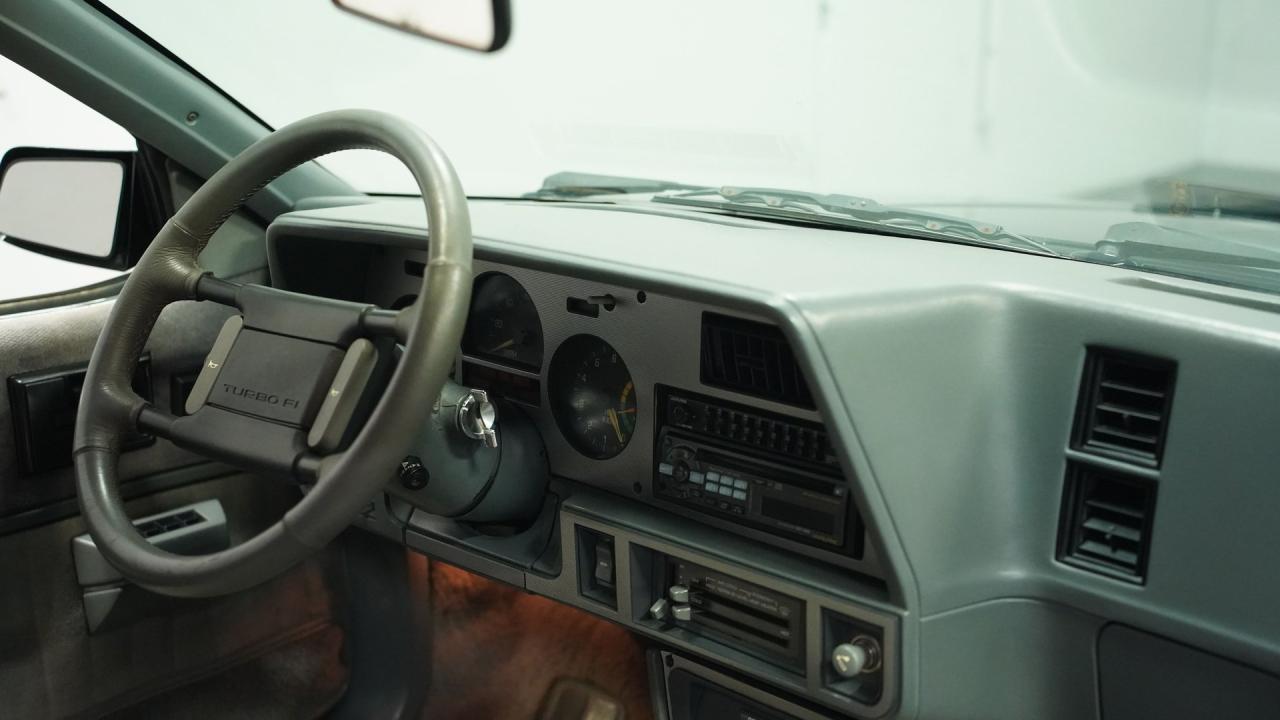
(592,396)
(503,324)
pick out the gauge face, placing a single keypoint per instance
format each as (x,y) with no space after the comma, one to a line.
(592,396)
(503,324)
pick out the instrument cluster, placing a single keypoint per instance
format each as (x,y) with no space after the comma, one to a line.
(590,391)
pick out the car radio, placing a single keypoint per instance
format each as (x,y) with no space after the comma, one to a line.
(755,484)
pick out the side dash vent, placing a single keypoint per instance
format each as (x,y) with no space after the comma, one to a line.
(751,358)
(1124,406)
(1106,522)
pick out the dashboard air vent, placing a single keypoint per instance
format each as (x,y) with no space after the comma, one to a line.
(751,358)
(1124,405)
(1106,522)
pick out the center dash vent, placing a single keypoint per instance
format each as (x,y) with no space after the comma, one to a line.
(1106,522)
(751,358)
(1124,405)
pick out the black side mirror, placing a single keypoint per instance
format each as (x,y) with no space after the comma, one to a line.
(84,206)
(483,25)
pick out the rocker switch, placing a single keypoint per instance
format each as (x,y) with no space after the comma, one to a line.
(604,572)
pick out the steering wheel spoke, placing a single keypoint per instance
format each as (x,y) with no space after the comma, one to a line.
(243,441)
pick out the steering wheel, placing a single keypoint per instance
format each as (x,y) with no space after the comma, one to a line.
(286,374)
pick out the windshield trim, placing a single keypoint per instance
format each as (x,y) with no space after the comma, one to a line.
(103,9)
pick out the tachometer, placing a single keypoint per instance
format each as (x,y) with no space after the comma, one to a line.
(592,396)
(503,324)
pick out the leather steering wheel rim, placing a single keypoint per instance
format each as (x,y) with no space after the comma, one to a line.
(168,272)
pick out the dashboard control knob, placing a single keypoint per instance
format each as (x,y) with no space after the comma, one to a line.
(682,613)
(681,471)
(478,417)
(658,610)
(678,593)
(413,474)
(861,655)
(848,659)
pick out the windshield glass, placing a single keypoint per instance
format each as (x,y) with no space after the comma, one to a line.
(1010,112)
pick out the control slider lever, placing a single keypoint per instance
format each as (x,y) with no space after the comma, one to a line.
(659,609)
(678,594)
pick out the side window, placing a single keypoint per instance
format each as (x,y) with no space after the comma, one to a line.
(35,113)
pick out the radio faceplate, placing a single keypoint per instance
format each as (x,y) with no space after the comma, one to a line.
(804,502)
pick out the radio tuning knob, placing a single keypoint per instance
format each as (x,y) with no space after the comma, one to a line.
(681,471)
(679,415)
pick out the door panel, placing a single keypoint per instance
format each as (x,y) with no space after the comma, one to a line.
(65,336)
(50,665)
(284,638)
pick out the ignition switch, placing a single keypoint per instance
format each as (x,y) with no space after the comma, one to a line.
(477,417)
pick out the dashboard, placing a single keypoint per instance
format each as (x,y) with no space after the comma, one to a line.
(615,378)
(858,452)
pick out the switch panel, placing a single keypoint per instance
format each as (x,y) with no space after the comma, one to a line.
(597,567)
(44,405)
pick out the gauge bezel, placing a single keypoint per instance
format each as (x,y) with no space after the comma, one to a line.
(565,361)
(469,347)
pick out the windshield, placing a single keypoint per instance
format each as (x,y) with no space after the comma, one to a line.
(1011,112)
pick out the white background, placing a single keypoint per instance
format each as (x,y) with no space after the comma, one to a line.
(903,100)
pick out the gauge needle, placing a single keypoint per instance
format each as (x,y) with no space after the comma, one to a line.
(613,420)
(504,345)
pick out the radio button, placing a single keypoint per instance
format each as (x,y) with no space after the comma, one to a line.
(713,477)
(697,477)
(726,490)
(665,468)
(739,495)
(711,487)
(740,483)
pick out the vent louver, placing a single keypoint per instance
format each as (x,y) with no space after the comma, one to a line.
(1106,524)
(751,358)
(1124,406)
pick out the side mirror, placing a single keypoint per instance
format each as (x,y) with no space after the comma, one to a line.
(483,25)
(75,205)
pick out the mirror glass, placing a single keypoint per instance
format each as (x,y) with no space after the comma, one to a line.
(475,24)
(66,204)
